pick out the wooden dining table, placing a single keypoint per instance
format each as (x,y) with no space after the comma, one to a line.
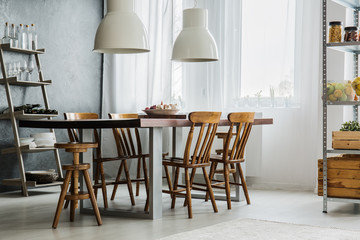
(155,126)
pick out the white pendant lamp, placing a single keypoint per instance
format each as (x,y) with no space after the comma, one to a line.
(121,30)
(195,43)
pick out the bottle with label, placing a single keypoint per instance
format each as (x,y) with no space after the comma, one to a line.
(34,37)
(29,37)
(6,38)
(23,37)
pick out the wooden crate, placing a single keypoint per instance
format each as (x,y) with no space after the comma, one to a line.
(346,140)
(343,176)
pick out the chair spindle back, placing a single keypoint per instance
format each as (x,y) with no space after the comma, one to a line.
(208,122)
(74,133)
(244,121)
(124,136)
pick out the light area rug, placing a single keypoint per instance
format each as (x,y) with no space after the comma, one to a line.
(251,229)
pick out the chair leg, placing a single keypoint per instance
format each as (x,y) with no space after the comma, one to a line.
(62,198)
(128,179)
(138,175)
(211,177)
(67,202)
(117,180)
(177,171)
(193,171)
(188,192)
(96,180)
(168,178)
(147,184)
(211,193)
(227,185)
(103,185)
(72,210)
(92,197)
(243,184)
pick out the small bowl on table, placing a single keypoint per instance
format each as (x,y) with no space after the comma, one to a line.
(161,111)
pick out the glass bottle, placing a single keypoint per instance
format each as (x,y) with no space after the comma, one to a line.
(18,35)
(29,38)
(13,39)
(23,37)
(6,38)
(34,37)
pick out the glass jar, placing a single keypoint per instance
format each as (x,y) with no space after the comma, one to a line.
(335,31)
(351,34)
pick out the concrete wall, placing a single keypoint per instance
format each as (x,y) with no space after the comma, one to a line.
(66,29)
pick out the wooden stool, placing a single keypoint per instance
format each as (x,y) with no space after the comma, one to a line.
(73,171)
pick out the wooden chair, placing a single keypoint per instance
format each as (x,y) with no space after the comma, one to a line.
(233,155)
(99,172)
(126,147)
(73,171)
(200,158)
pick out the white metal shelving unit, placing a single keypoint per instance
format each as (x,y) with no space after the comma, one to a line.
(13,116)
(349,47)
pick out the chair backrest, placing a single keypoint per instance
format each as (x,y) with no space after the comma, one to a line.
(124,136)
(244,122)
(74,133)
(208,122)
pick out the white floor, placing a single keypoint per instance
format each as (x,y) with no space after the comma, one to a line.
(31,218)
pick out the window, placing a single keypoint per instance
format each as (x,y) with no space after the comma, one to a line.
(268,48)
(256,43)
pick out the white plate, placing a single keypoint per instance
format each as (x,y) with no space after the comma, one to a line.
(43,136)
(161,111)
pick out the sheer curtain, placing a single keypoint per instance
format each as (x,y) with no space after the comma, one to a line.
(203,84)
(133,81)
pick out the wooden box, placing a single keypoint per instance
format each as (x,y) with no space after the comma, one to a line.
(343,176)
(346,140)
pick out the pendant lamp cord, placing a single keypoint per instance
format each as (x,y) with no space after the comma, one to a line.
(195,3)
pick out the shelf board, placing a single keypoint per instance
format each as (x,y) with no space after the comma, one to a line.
(351,47)
(354,4)
(26,149)
(15,81)
(6,47)
(27,116)
(17,182)
(348,200)
(348,151)
(344,103)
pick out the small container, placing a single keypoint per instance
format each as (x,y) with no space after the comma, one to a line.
(351,34)
(335,31)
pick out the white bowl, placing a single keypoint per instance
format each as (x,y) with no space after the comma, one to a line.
(45,143)
(47,135)
(25,141)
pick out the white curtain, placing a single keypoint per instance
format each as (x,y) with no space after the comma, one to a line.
(204,84)
(133,81)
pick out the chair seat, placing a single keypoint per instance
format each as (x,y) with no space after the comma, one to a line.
(179,162)
(79,167)
(218,158)
(75,145)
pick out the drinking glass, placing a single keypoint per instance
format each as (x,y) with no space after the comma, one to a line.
(30,68)
(15,70)
(22,70)
(18,75)
(9,70)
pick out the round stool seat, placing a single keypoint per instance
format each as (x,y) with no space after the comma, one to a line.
(79,167)
(76,145)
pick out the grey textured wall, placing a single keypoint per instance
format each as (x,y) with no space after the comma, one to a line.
(66,29)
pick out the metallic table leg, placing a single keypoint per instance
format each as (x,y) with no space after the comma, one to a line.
(86,135)
(155,147)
